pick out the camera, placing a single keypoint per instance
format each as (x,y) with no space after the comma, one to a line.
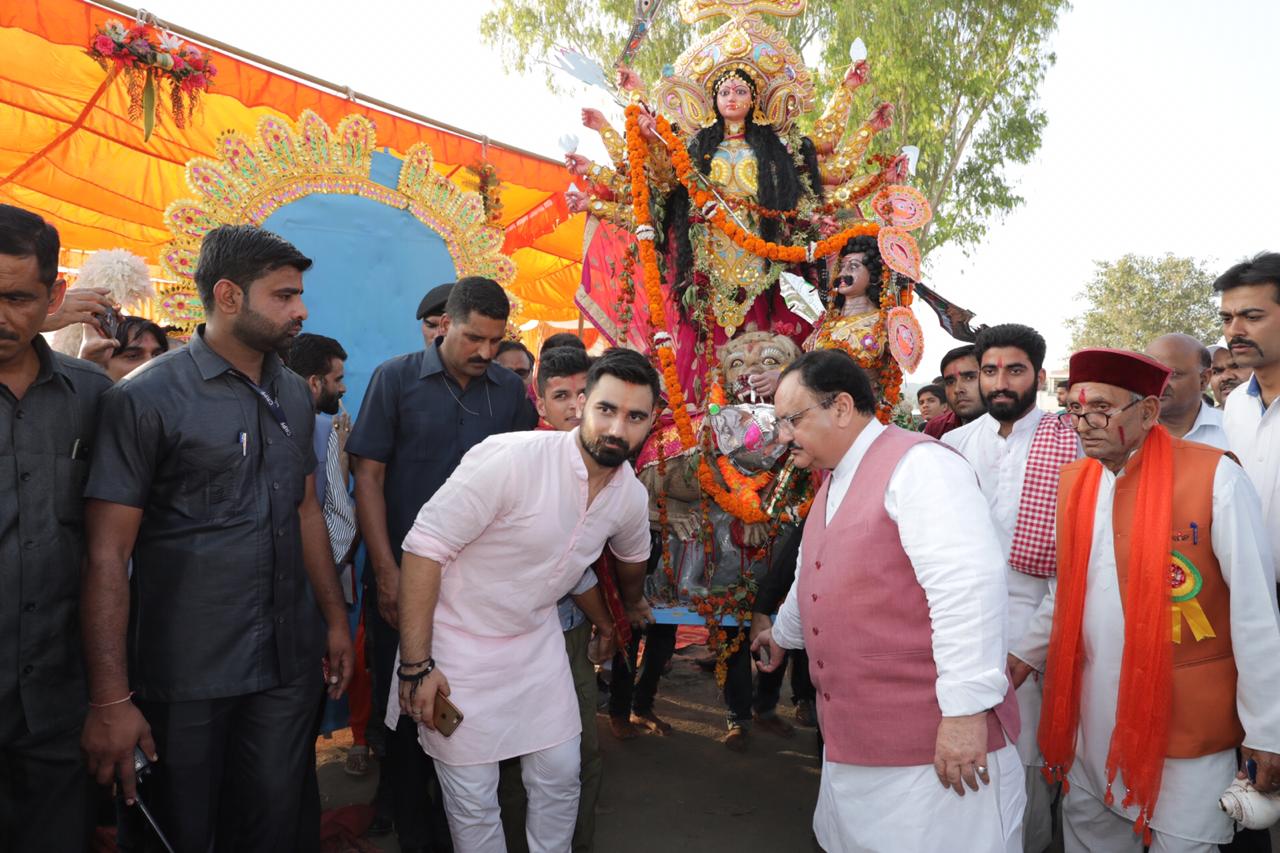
(109,321)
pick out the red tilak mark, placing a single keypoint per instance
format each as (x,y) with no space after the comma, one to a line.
(1081,397)
(1122,435)
(1000,363)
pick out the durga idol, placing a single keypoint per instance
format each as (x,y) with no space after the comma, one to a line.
(734,98)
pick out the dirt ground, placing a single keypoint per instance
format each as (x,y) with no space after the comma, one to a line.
(676,793)
(682,792)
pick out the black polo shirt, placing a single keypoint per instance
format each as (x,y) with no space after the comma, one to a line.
(418,421)
(45,441)
(219,603)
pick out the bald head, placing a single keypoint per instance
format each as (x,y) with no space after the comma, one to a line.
(1189,361)
(1179,344)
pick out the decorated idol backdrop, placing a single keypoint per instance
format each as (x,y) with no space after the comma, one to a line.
(381,229)
(373,263)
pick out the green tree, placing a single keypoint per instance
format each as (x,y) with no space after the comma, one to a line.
(962,74)
(1135,300)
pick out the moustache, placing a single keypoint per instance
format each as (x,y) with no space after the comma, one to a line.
(1243,342)
(6,335)
(478,360)
(1002,395)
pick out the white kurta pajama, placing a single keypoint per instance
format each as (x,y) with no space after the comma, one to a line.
(943,526)
(1187,816)
(512,531)
(1001,464)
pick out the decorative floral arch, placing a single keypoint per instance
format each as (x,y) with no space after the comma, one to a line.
(284,162)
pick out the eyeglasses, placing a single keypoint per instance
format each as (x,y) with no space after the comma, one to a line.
(1094,420)
(793,419)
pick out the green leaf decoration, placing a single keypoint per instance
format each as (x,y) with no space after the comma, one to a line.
(148,106)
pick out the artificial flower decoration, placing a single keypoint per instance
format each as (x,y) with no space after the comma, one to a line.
(149,59)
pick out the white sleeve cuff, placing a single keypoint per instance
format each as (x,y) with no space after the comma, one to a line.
(973,695)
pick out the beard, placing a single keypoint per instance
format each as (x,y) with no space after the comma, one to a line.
(257,332)
(1006,406)
(327,403)
(607,452)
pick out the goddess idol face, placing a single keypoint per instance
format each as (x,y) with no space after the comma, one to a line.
(733,99)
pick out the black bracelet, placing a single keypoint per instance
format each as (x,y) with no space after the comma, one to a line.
(420,675)
(423,662)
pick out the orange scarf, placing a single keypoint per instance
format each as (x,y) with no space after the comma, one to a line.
(1141,735)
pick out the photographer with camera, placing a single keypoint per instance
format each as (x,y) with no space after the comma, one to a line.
(120,344)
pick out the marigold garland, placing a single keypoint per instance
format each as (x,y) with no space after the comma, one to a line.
(637,152)
(701,198)
(735,602)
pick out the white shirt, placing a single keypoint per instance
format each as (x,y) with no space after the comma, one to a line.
(1188,802)
(1255,440)
(1001,464)
(946,532)
(1208,428)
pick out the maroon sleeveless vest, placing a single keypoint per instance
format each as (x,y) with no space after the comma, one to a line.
(867,629)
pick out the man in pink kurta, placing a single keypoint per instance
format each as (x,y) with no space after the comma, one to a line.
(485,563)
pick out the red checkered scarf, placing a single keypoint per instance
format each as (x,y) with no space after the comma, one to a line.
(1034,551)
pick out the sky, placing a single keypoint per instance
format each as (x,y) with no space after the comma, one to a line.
(1162,131)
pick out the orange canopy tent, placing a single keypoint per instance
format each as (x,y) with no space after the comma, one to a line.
(69,152)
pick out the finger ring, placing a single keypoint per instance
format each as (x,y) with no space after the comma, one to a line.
(981,769)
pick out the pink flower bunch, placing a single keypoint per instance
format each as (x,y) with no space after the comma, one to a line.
(134,47)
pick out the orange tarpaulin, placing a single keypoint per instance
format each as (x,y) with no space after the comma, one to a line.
(69,152)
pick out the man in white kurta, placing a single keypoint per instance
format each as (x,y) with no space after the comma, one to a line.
(946,532)
(1188,808)
(997,445)
(1187,817)
(505,538)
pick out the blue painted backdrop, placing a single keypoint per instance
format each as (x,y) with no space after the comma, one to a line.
(373,264)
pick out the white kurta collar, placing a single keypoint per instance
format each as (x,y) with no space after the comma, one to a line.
(842,474)
(1027,423)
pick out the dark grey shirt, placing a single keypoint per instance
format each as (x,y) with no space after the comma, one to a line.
(219,604)
(45,440)
(419,422)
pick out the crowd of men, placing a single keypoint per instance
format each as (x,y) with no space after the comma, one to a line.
(1069,612)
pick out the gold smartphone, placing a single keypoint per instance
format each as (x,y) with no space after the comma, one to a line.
(447,716)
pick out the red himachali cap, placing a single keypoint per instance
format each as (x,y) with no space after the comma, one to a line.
(1124,369)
